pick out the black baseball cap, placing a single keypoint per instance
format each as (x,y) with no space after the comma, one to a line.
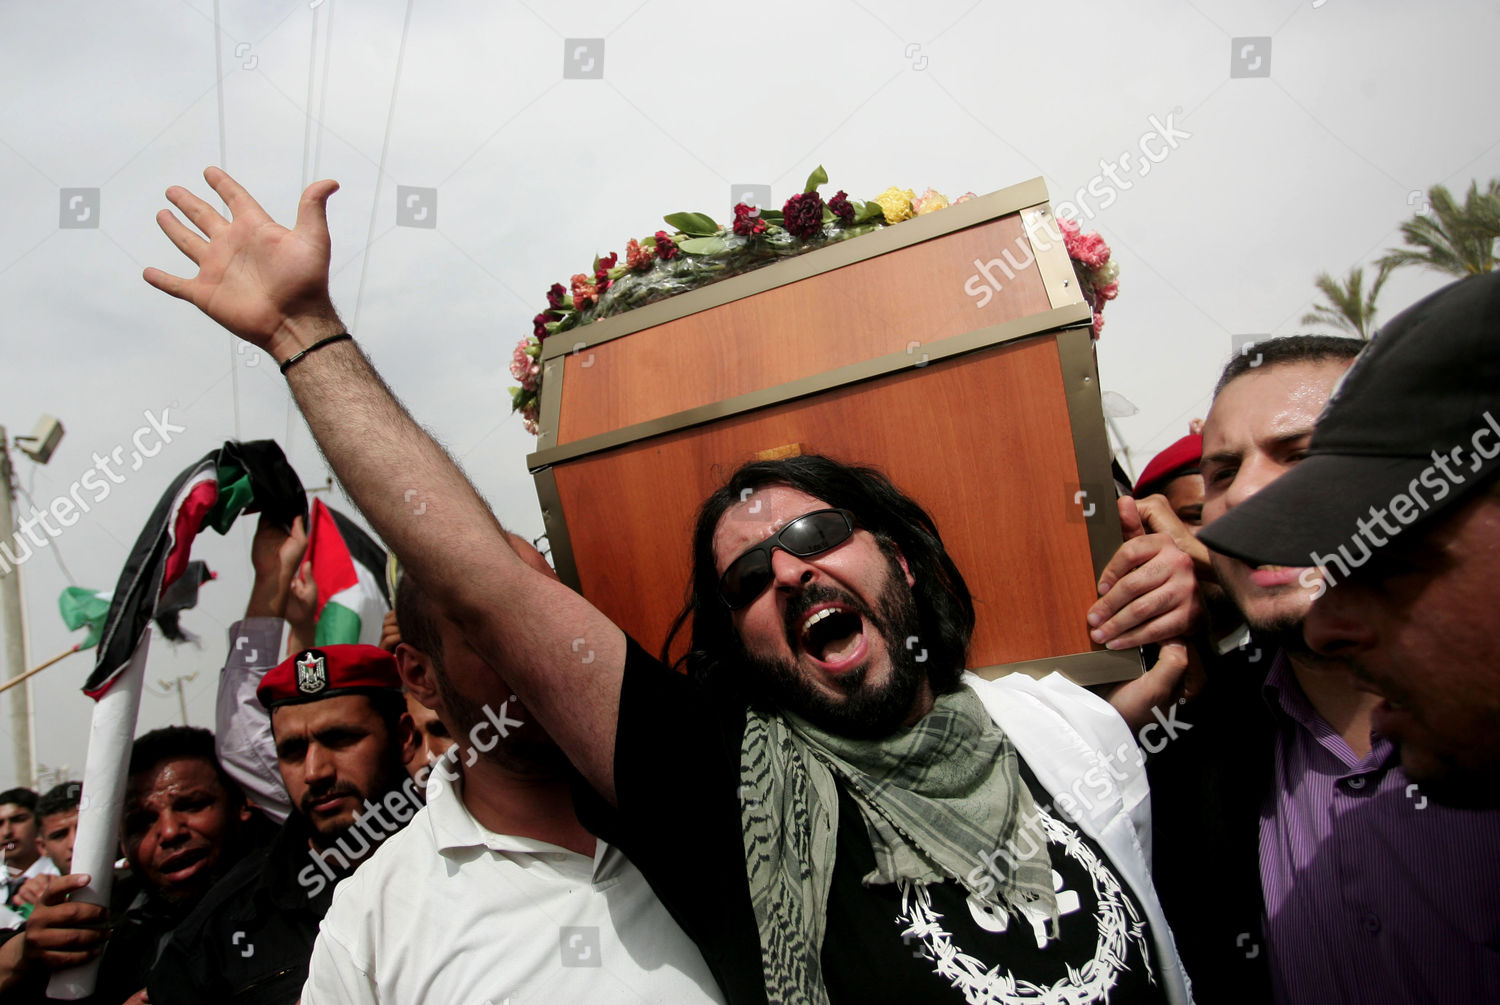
(1412,428)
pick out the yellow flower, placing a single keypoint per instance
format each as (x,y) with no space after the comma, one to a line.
(931,201)
(895,203)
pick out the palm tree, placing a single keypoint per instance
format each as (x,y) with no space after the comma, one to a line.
(1348,308)
(1458,240)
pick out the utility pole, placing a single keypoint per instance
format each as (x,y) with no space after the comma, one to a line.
(168,685)
(10,622)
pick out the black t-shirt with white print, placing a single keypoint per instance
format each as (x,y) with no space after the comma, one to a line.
(677,755)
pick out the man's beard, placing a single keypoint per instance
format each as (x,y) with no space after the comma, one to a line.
(327,833)
(864,712)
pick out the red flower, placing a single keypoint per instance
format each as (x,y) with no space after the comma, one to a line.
(803,215)
(841,208)
(637,257)
(584,292)
(747,221)
(666,248)
(601,271)
(539,325)
(555,296)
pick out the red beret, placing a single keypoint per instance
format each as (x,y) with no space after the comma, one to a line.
(315,674)
(1181,458)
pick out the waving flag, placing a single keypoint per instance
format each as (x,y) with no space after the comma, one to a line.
(84,608)
(349,570)
(237,478)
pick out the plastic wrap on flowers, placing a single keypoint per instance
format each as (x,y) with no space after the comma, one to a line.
(732,256)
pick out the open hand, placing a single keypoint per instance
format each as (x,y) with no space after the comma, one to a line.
(263,282)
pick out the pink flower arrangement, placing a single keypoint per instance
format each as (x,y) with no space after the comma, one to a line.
(1089,249)
(1099,275)
(523,363)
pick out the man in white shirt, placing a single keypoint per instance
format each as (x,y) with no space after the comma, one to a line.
(20,838)
(495,891)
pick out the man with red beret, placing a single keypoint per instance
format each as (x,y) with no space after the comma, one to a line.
(1173,473)
(342,737)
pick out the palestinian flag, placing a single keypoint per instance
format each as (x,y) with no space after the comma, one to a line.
(180,596)
(237,478)
(84,608)
(349,570)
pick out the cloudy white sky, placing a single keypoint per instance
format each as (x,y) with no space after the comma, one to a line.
(1306,167)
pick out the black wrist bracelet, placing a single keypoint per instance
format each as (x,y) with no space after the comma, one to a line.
(316,345)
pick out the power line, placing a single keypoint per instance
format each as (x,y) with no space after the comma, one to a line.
(323,93)
(385,147)
(56,551)
(234,372)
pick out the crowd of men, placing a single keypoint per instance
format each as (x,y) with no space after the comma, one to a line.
(1299,800)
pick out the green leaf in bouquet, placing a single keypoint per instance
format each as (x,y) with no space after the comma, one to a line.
(702,245)
(864,212)
(815,179)
(828,216)
(552,327)
(693,224)
(774,216)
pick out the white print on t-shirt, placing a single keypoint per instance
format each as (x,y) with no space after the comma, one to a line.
(993,919)
(1118,923)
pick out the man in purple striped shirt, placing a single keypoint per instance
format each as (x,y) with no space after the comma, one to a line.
(1371,891)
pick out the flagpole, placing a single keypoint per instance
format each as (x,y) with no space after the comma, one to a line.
(101,804)
(37,669)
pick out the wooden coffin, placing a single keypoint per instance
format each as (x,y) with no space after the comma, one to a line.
(953,351)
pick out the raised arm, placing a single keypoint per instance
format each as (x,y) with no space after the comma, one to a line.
(269,286)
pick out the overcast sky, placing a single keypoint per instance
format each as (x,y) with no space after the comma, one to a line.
(1297,151)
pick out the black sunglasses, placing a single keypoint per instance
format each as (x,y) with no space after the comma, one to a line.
(810,534)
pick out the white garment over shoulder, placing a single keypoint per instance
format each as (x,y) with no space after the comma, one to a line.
(446,911)
(1082,753)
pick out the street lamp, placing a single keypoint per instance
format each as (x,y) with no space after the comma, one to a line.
(39,446)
